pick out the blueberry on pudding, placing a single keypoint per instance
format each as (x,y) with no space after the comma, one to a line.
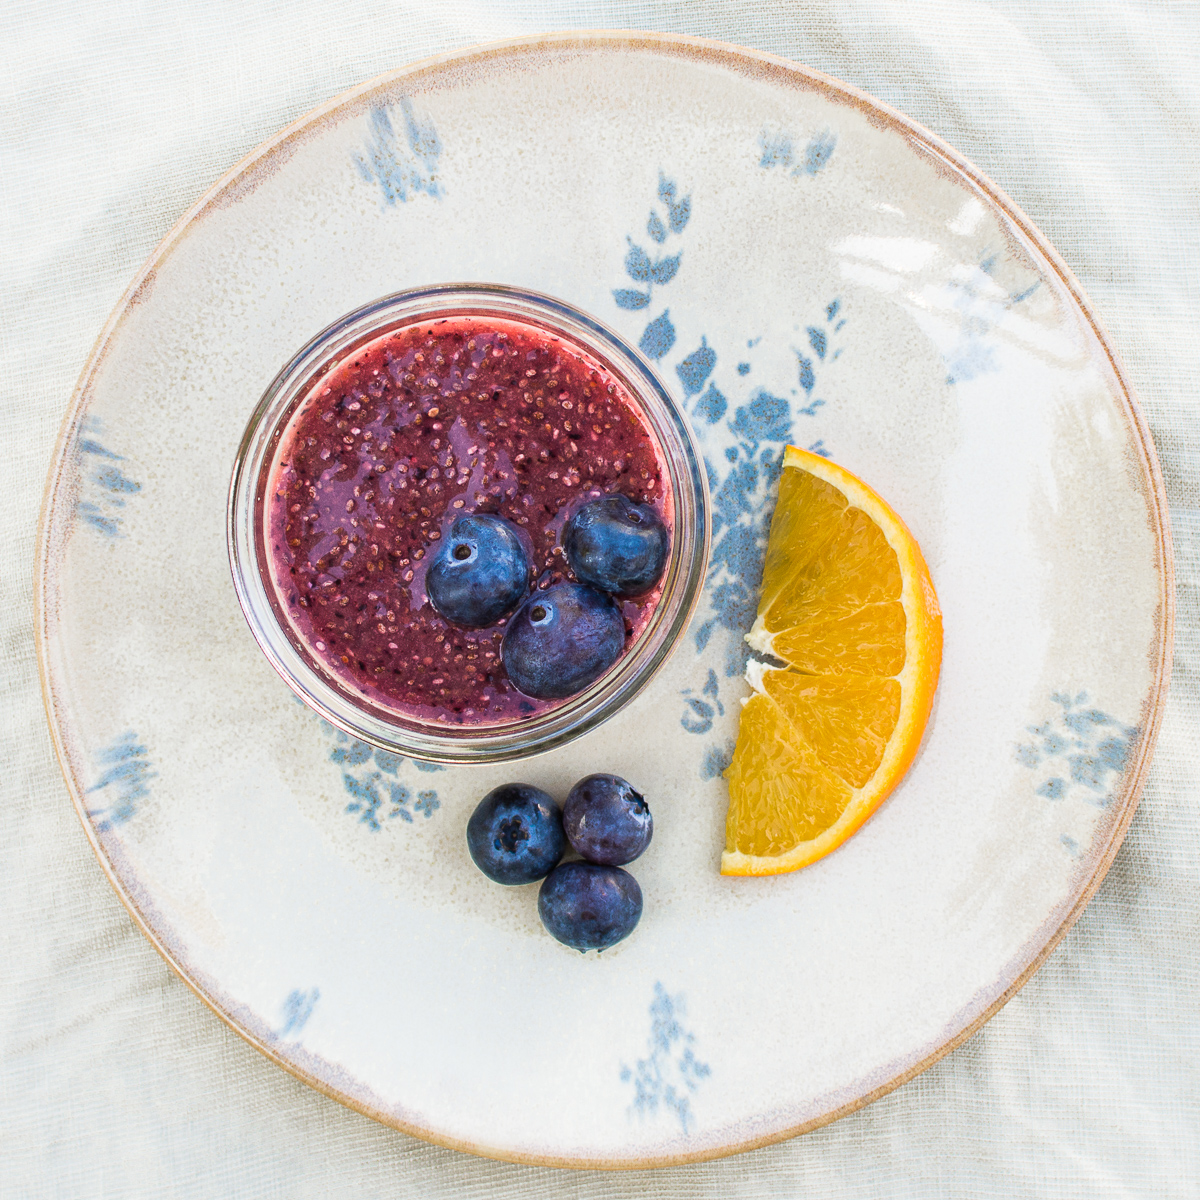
(561,640)
(617,545)
(480,573)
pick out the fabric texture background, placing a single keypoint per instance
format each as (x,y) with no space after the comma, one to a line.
(115,1080)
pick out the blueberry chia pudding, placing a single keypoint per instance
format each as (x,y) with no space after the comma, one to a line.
(462,416)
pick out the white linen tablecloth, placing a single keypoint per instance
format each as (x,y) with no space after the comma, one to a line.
(114,1079)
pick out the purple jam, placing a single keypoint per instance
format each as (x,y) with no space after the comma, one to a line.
(431,421)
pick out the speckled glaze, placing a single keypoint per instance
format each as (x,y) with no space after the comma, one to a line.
(801,264)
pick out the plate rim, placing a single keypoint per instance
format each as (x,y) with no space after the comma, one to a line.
(1037,948)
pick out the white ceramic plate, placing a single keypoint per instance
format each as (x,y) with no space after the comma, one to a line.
(802,264)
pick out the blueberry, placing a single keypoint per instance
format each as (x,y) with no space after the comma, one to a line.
(516,834)
(616,545)
(561,639)
(606,821)
(479,573)
(589,907)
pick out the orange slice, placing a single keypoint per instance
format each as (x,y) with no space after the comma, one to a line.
(848,606)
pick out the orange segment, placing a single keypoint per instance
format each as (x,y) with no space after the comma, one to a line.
(868,641)
(853,566)
(846,719)
(784,794)
(849,608)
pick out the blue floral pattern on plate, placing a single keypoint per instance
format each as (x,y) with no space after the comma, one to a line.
(126,771)
(104,488)
(1081,752)
(742,443)
(377,795)
(974,352)
(778,150)
(297,1008)
(403,163)
(669,1075)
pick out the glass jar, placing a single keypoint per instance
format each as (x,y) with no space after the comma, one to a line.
(374,719)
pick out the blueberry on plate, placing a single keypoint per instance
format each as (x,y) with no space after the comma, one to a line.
(589,907)
(562,639)
(616,545)
(607,821)
(479,573)
(515,835)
